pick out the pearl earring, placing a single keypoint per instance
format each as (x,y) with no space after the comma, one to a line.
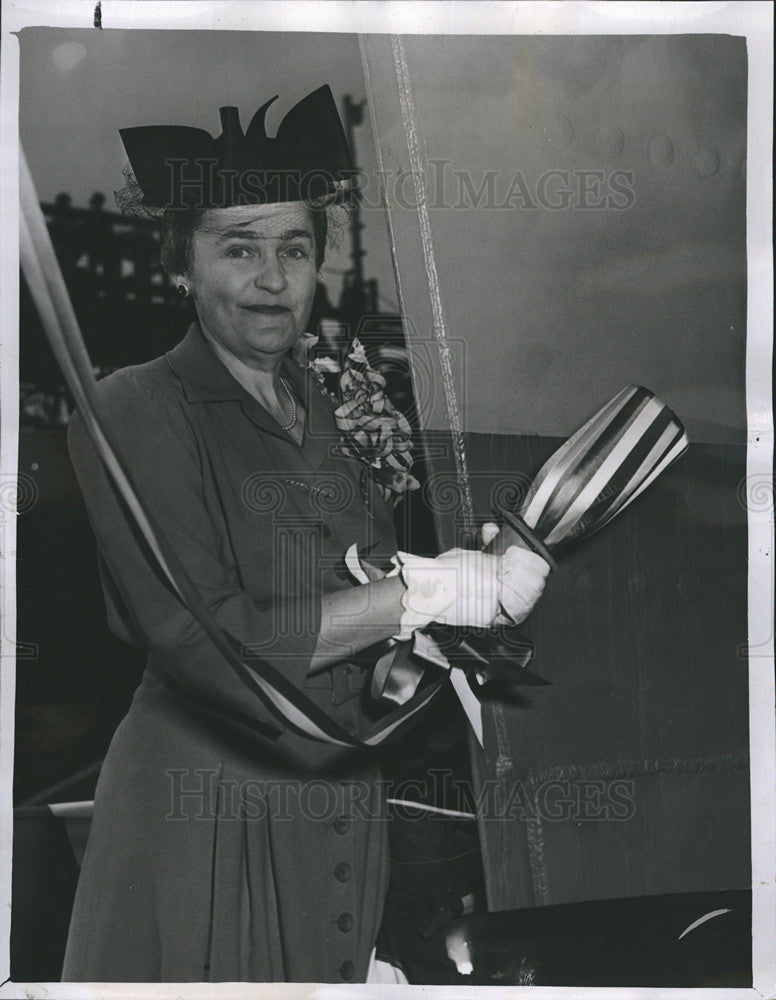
(183,290)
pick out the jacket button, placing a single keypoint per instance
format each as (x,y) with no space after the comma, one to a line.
(345,922)
(342,871)
(347,971)
(341,824)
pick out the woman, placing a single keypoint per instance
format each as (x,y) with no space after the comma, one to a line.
(216,854)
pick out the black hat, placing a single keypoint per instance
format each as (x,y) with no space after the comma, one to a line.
(309,159)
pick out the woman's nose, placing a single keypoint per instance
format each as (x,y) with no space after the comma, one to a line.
(270,274)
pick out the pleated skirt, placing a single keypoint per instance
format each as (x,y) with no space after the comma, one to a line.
(216,856)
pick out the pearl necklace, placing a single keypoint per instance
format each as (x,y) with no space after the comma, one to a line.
(287,427)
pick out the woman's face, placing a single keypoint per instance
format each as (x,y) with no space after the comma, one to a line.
(253,277)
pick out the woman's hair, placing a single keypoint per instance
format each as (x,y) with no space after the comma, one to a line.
(179,227)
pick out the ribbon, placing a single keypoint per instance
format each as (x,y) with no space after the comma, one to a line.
(397,677)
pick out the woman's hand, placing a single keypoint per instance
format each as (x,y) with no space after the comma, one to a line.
(464,587)
(523,575)
(460,587)
(522,578)
(467,588)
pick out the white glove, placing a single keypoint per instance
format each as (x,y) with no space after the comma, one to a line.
(459,587)
(464,587)
(523,575)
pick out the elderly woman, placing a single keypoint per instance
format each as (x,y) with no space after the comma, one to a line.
(217,853)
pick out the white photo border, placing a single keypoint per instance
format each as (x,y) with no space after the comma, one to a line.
(754,21)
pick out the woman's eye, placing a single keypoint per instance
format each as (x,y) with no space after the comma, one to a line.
(296,253)
(239,252)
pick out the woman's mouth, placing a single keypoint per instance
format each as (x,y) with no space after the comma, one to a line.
(268,310)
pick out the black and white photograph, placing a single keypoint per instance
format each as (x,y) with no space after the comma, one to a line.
(386,503)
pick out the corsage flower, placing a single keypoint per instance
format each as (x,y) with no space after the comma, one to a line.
(373,431)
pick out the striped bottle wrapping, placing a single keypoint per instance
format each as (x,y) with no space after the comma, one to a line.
(605,465)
